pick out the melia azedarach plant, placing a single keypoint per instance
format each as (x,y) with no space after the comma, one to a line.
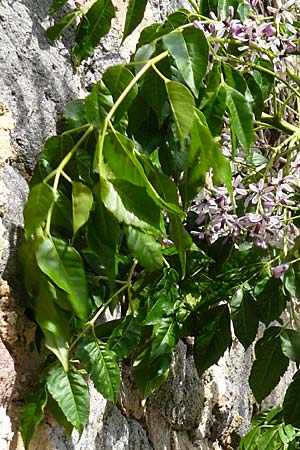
(171,198)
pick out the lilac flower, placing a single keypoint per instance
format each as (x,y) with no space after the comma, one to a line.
(279,270)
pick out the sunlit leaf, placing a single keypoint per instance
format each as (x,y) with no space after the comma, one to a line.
(134,15)
(290,344)
(82,199)
(57,30)
(40,199)
(145,248)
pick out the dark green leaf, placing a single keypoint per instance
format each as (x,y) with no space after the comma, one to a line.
(291,404)
(32,414)
(181,239)
(125,337)
(290,344)
(131,205)
(71,393)
(63,265)
(59,415)
(134,15)
(189,48)
(98,104)
(257,101)
(145,248)
(57,30)
(40,199)
(117,78)
(214,111)
(182,105)
(155,94)
(212,85)
(213,337)
(101,364)
(251,440)
(291,280)
(244,317)
(54,323)
(104,330)
(74,114)
(82,199)
(56,5)
(233,78)
(161,304)
(269,365)
(271,301)
(241,116)
(93,26)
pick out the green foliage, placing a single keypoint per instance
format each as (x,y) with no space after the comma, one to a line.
(112,219)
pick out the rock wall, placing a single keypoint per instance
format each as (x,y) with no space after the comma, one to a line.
(187,413)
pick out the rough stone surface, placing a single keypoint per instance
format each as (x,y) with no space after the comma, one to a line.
(186,413)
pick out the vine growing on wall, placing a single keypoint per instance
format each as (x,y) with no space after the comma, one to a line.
(170,200)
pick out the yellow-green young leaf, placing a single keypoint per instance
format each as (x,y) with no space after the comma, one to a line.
(57,30)
(41,197)
(241,116)
(134,15)
(71,393)
(189,48)
(64,266)
(93,26)
(54,323)
(82,199)
(33,413)
(182,105)
(269,365)
(101,364)
(145,248)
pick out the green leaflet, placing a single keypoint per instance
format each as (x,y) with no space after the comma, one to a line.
(33,413)
(233,78)
(63,265)
(93,26)
(269,365)
(125,337)
(244,317)
(71,393)
(161,303)
(213,337)
(59,415)
(56,5)
(40,199)
(54,324)
(100,362)
(271,301)
(291,403)
(257,100)
(181,239)
(82,199)
(223,6)
(241,117)
(134,15)
(57,30)
(74,114)
(117,78)
(145,248)
(189,48)
(290,344)
(98,104)
(203,154)
(155,94)
(182,105)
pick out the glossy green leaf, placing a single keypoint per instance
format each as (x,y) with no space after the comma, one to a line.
(244,317)
(63,265)
(59,416)
(269,365)
(182,105)
(40,199)
(93,26)
(290,344)
(291,403)
(233,78)
(161,303)
(32,414)
(125,337)
(117,78)
(244,11)
(57,30)
(241,117)
(71,393)
(82,199)
(134,15)
(214,112)
(213,337)
(98,104)
(100,362)
(181,239)
(74,114)
(145,248)
(203,155)
(54,324)
(131,205)
(212,85)
(271,301)
(56,5)
(189,48)
(251,440)
(291,280)
(155,94)
(257,100)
